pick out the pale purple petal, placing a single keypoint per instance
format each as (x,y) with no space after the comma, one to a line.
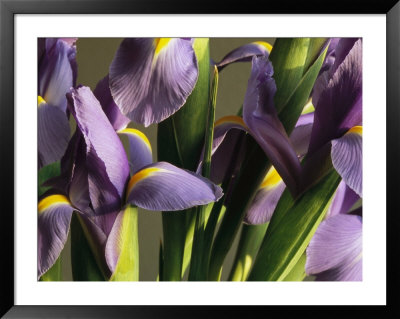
(54,220)
(347,159)
(301,134)
(162,186)
(343,200)
(150,83)
(260,116)
(103,94)
(53,134)
(335,251)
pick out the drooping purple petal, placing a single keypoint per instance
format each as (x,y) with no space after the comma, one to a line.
(260,116)
(335,251)
(343,200)
(339,105)
(55,75)
(54,219)
(162,186)
(150,79)
(245,53)
(53,134)
(140,152)
(103,94)
(106,161)
(347,158)
(266,199)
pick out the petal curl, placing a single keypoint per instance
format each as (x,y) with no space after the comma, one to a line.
(335,251)
(150,79)
(162,186)
(346,156)
(343,200)
(54,218)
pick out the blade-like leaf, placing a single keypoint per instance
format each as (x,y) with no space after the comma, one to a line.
(298,272)
(45,173)
(54,273)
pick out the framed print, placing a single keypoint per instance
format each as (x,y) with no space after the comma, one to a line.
(178,167)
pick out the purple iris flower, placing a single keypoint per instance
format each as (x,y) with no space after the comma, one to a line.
(99,185)
(151,78)
(56,75)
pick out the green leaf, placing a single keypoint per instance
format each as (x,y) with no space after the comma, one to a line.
(54,273)
(298,272)
(83,261)
(127,268)
(45,173)
(180,140)
(291,229)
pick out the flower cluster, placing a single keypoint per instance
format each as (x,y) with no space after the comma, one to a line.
(286,168)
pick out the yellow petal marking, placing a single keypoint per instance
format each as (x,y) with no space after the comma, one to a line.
(160,43)
(52,200)
(144,173)
(231,119)
(271,179)
(266,45)
(40,100)
(137,133)
(355,129)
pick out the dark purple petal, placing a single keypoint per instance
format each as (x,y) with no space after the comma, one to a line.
(343,200)
(335,251)
(55,75)
(162,186)
(140,153)
(245,53)
(103,94)
(150,79)
(339,106)
(53,134)
(54,219)
(260,116)
(266,199)
(106,161)
(347,158)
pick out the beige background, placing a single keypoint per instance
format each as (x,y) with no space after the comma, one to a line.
(94,56)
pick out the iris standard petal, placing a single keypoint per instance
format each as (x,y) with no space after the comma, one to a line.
(164,187)
(343,200)
(140,153)
(55,75)
(106,161)
(103,94)
(346,156)
(53,133)
(335,251)
(260,116)
(150,79)
(245,53)
(339,105)
(266,199)
(54,218)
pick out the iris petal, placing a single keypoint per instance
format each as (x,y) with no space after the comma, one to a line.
(54,219)
(335,251)
(150,80)
(346,156)
(343,200)
(162,186)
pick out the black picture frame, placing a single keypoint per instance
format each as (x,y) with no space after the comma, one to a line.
(8,10)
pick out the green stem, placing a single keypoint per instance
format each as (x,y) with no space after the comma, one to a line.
(197,270)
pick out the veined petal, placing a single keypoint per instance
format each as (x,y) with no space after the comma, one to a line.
(346,156)
(54,218)
(260,116)
(53,133)
(55,75)
(106,161)
(162,186)
(266,199)
(140,153)
(343,200)
(150,79)
(103,94)
(335,251)
(339,106)
(245,53)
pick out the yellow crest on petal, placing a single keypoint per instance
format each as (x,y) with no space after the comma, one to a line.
(355,129)
(137,133)
(230,119)
(266,45)
(271,179)
(144,173)
(52,200)
(160,43)
(40,100)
